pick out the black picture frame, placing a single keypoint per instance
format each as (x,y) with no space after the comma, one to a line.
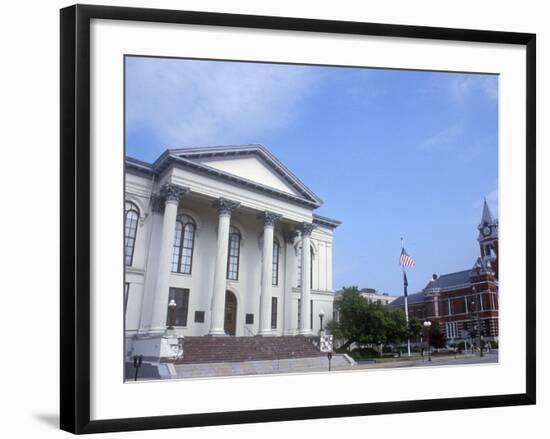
(75,217)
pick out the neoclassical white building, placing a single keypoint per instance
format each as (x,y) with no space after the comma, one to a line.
(220,231)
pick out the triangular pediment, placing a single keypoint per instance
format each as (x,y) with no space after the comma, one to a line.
(252,164)
(251,168)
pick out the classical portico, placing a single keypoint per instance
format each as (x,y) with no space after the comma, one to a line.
(224,222)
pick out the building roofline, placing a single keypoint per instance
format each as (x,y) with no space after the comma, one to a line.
(184,158)
(139,165)
(251,149)
(325,221)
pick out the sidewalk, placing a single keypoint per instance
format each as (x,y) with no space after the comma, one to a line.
(469,358)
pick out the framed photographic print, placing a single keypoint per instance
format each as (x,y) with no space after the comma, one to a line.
(260,212)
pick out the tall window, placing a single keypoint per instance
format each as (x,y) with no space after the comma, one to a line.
(131,217)
(311,267)
(184,241)
(273,312)
(451,329)
(299,313)
(181,297)
(233,254)
(275,272)
(299,266)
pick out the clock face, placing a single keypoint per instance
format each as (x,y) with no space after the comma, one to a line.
(486,231)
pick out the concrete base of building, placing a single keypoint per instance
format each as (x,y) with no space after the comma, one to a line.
(289,365)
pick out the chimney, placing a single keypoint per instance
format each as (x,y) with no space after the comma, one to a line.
(434,276)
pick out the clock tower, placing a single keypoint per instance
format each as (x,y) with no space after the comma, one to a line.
(488,238)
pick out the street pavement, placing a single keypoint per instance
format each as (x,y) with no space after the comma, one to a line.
(491,357)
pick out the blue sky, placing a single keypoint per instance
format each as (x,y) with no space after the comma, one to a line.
(392,153)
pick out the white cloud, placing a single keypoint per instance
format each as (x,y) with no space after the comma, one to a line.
(443,139)
(463,86)
(185,103)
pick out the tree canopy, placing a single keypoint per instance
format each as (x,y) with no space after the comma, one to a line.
(368,322)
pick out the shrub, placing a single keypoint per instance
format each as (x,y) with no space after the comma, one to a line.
(363,353)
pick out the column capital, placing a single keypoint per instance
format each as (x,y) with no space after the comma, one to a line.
(269,218)
(289,236)
(225,206)
(307,228)
(173,192)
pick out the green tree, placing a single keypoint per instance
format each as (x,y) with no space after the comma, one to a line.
(395,325)
(352,315)
(415,328)
(366,322)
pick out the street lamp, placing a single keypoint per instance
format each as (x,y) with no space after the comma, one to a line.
(427,325)
(321,315)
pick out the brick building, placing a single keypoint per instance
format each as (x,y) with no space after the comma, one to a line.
(455,299)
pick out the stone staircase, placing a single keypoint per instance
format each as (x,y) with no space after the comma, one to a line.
(206,349)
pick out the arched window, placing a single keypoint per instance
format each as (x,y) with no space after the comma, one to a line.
(184,241)
(275,272)
(131,218)
(233,254)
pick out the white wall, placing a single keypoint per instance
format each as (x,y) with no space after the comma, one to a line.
(29,102)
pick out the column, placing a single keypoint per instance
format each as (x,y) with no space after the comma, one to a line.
(225,207)
(171,194)
(269,219)
(306,229)
(290,265)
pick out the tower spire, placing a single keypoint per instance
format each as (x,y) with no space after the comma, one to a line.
(488,238)
(486,216)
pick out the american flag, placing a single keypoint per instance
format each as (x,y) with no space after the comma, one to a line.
(405,260)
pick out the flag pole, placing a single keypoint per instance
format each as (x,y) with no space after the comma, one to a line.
(406,303)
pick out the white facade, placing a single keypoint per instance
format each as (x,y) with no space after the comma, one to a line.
(223,190)
(375,296)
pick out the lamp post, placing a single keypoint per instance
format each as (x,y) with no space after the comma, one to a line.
(427,325)
(171,317)
(138,359)
(321,315)
(478,312)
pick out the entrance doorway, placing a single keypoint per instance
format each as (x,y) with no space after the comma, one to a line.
(230,322)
